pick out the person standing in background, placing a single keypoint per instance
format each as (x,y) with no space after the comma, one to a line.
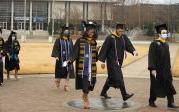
(12,48)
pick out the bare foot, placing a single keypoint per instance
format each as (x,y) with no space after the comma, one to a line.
(86,102)
(66,88)
(57,82)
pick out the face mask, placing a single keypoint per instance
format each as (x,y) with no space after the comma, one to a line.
(66,33)
(13,37)
(164,36)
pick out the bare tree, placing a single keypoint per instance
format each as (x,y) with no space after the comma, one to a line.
(75,14)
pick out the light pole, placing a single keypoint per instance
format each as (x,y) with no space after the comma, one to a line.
(139,2)
(25,19)
(52,18)
(102,14)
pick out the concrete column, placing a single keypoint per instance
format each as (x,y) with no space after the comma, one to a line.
(12,15)
(102,17)
(30,16)
(87,11)
(69,6)
(49,12)
(83,10)
(25,7)
(67,11)
(53,21)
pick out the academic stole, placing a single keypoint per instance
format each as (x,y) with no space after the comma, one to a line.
(87,64)
(13,54)
(125,53)
(65,50)
(80,65)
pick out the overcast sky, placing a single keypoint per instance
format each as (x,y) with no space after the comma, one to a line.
(163,1)
(145,1)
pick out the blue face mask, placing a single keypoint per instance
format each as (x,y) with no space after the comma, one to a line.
(164,36)
(66,33)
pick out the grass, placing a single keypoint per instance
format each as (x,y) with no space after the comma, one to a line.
(35,58)
(175,68)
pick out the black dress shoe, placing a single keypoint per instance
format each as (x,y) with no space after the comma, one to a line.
(173,106)
(152,104)
(106,96)
(127,96)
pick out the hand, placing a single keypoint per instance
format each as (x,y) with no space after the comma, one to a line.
(154,73)
(65,63)
(56,58)
(98,48)
(103,66)
(135,53)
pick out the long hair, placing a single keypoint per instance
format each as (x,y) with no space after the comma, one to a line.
(9,40)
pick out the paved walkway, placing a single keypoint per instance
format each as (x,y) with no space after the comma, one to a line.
(39,94)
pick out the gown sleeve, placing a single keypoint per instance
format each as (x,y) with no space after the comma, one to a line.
(128,45)
(55,50)
(3,53)
(18,47)
(71,48)
(152,57)
(75,52)
(104,50)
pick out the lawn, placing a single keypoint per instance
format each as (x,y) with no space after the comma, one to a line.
(35,58)
(175,68)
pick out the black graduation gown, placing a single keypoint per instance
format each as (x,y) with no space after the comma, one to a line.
(1,58)
(60,71)
(159,60)
(108,53)
(12,63)
(82,83)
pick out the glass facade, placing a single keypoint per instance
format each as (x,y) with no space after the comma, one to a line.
(39,15)
(5,14)
(19,15)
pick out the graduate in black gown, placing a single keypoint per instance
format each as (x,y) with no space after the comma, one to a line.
(2,53)
(12,48)
(85,54)
(160,69)
(113,51)
(0,30)
(61,52)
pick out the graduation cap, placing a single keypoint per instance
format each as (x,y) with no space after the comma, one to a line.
(65,28)
(161,27)
(12,32)
(89,25)
(120,25)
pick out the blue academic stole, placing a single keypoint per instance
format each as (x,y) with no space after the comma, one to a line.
(13,54)
(66,48)
(87,60)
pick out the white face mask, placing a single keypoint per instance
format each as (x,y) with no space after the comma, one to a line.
(164,36)
(13,37)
